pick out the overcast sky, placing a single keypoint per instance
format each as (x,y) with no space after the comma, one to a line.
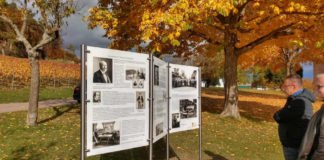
(77,32)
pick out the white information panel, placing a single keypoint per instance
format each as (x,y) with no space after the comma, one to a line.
(184,102)
(160,103)
(118,109)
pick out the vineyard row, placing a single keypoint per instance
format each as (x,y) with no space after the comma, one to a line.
(16,72)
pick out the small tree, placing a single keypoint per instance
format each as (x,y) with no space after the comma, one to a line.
(50,15)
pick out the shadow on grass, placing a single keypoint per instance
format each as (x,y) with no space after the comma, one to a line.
(142,153)
(25,152)
(260,94)
(251,110)
(215,156)
(58,112)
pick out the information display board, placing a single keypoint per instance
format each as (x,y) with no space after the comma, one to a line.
(184,94)
(160,102)
(117,87)
(120,110)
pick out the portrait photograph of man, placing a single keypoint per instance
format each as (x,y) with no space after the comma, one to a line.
(102,68)
(96,97)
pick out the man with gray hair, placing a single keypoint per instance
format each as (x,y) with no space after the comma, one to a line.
(293,118)
(101,76)
(312,147)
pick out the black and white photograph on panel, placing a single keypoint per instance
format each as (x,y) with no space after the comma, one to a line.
(136,76)
(140,100)
(102,70)
(96,97)
(188,108)
(159,129)
(184,78)
(156,75)
(105,134)
(175,120)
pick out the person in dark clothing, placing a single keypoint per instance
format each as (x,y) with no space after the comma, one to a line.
(293,118)
(101,76)
(312,147)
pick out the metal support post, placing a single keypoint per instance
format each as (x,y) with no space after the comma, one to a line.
(200,122)
(83,105)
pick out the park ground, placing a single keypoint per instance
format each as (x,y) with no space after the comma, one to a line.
(57,136)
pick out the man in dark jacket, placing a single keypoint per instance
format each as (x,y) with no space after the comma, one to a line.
(293,118)
(101,76)
(312,147)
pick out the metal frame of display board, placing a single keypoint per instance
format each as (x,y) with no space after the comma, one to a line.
(200,122)
(168,111)
(151,108)
(83,97)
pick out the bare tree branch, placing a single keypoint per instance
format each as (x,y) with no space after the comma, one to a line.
(45,39)
(23,27)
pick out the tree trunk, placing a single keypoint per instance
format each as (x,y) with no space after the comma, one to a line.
(230,75)
(34,91)
(290,68)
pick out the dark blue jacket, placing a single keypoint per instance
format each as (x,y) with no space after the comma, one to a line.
(293,118)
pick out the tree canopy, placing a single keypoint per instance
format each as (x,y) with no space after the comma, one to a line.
(238,26)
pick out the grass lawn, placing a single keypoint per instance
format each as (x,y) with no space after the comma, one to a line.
(22,95)
(254,137)
(57,137)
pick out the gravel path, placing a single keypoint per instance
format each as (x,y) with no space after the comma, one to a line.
(13,107)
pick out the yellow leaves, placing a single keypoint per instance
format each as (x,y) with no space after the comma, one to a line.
(297,43)
(256,4)
(290,9)
(275,9)
(164,1)
(171,36)
(296,7)
(103,18)
(261,13)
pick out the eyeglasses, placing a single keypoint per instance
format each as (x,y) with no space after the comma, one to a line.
(319,86)
(286,85)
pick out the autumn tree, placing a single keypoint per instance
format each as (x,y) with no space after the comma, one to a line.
(237,25)
(288,52)
(50,15)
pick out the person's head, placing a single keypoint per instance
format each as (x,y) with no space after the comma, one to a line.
(320,85)
(292,84)
(96,96)
(103,66)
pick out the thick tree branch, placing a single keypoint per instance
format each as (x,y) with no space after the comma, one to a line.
(204,36)
(23,27)
(199,23)
(244,30)
(303,13)
(241,9)
(273,34)
(46,38)
(20,37)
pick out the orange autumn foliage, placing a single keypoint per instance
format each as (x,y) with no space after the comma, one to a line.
(17,70)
